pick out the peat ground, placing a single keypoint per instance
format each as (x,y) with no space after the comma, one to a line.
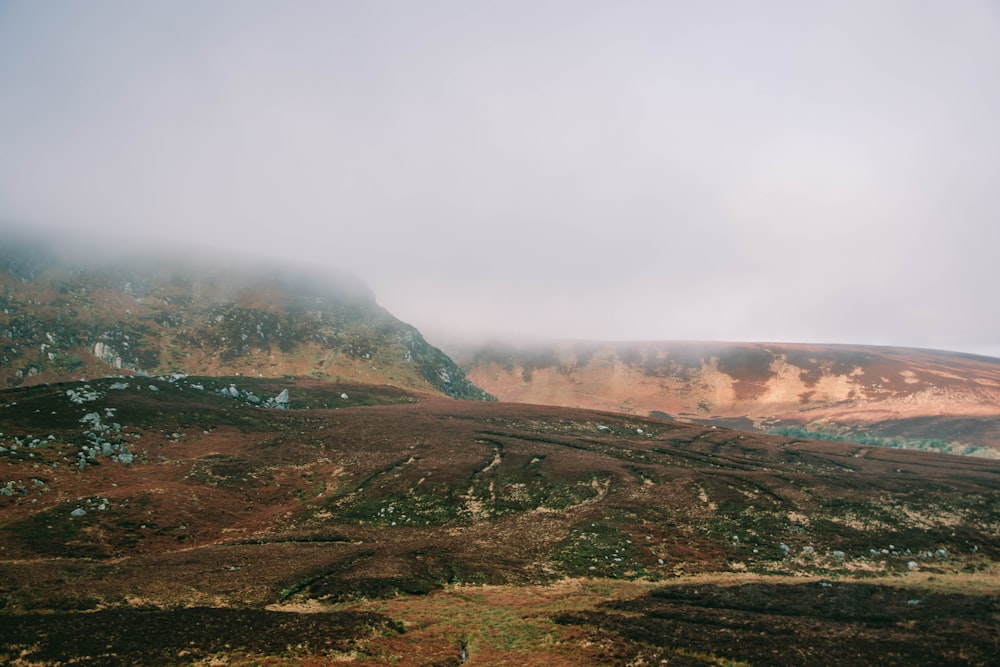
(183,504)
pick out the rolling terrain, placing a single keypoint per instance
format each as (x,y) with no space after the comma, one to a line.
(230,463)
(152,520)
(922,399)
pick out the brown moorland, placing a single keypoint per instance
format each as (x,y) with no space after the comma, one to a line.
(170,520)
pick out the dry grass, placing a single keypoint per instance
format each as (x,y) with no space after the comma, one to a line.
(513,625)
(498,625)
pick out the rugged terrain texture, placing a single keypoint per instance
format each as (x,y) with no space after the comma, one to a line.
(905,397)
(172,520)
(267,468)
(66,318)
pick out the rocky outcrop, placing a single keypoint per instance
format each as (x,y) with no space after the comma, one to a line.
(63,319)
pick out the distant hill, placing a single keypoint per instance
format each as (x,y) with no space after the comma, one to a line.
(914,398)
(66,315)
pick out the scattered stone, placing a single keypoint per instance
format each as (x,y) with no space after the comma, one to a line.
(281,400)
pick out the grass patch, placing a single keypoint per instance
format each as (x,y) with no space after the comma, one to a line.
(433,505)
(502,625)
(599,549)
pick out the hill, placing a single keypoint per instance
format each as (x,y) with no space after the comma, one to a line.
(230,462)
(81,312)
(922,399)
(153,520)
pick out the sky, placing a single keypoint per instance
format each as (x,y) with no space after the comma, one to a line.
(630,170)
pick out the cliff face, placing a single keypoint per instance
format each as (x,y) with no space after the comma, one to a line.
(63,319)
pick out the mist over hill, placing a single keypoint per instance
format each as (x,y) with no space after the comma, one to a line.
(69,311)
(193,448)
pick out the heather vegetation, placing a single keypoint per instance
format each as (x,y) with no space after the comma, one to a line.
(439,516)
(313,493)
(877,440)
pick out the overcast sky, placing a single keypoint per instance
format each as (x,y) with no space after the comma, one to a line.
(781,171)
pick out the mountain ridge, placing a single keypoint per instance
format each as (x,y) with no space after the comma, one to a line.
(61,319)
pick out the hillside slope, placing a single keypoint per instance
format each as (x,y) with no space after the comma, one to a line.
(176,509)
(950,400)
(63,319)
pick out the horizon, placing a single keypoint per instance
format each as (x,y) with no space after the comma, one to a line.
(813,174)
(66,252)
